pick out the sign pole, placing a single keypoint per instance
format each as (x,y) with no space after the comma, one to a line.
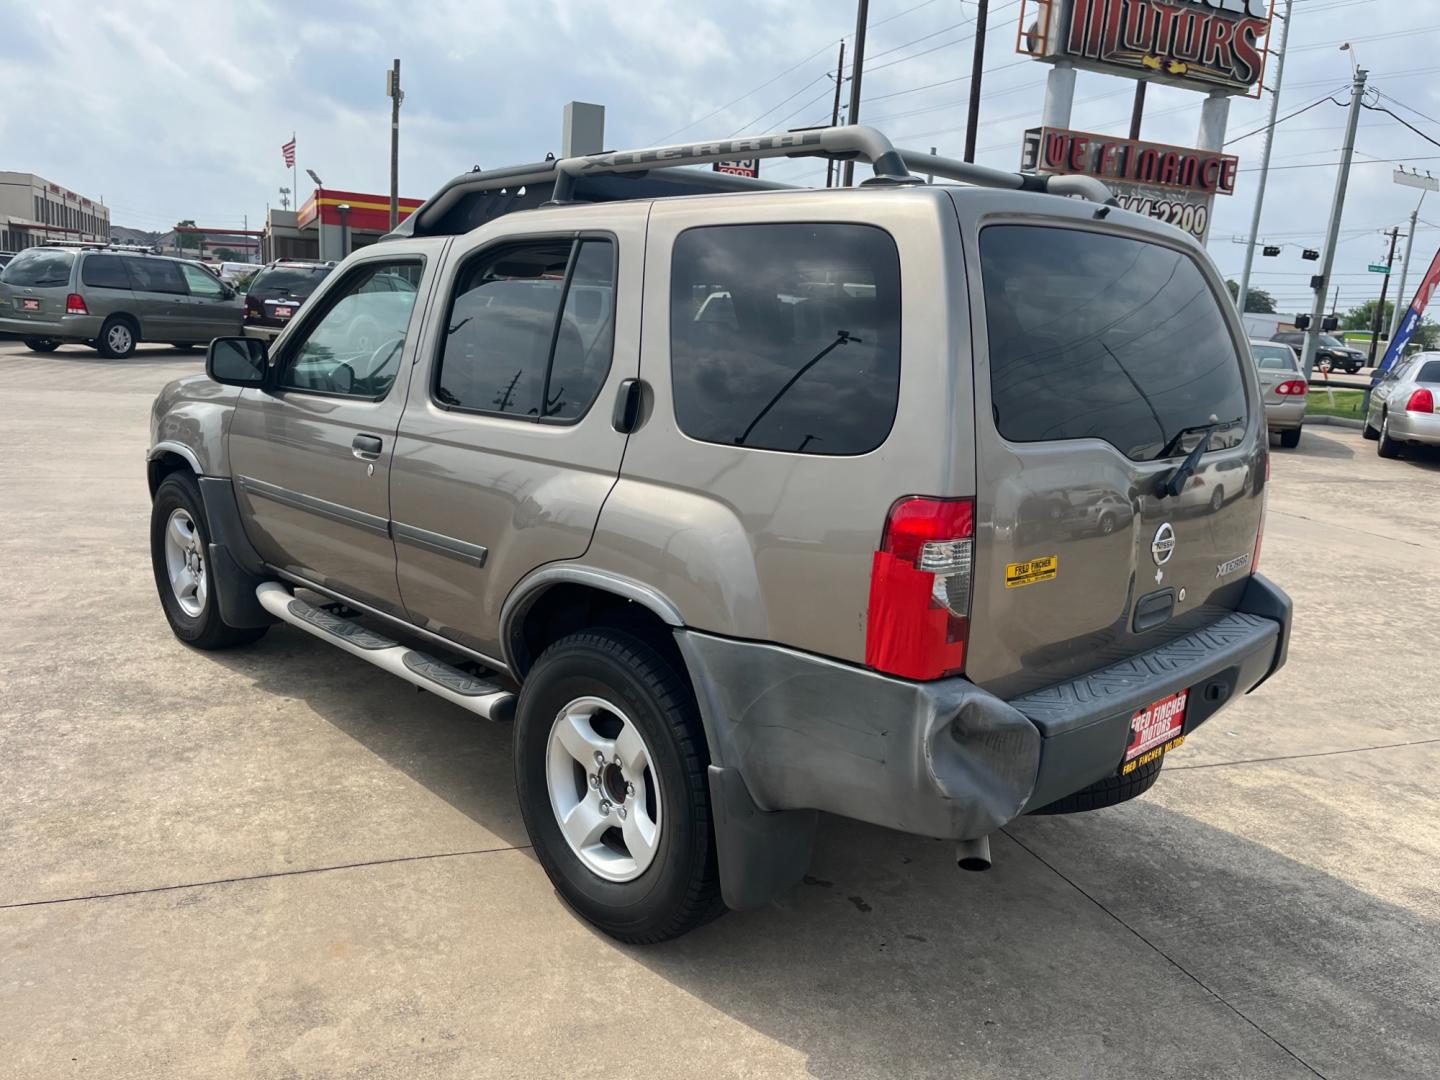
(1405,266)
(1337,210)
(1265,159)
(1384,291)
(1137,111)
(977,67)
(857,69)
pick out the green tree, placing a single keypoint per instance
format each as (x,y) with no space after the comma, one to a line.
(1257,301)
(1427,336)
(225,254)
(184,238)
(1363,317)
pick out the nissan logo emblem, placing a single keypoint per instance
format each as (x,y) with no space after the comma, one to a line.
(1163,546)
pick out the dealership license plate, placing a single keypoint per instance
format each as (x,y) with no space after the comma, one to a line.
(284,312)
(1154,731)
(29,305)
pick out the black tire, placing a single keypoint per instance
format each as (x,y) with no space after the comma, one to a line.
(123,345)
(1290,439)
(680,889)
(1217,500)
(1386,447)
(1369,432)
(205,630)
(41,345)
(1112,791)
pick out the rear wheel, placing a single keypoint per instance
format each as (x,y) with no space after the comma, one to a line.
(610,769)
(1290,439)
(1110,791)
(179,554)
(1387,447)
(1369,432)
(41,345)
(117,338)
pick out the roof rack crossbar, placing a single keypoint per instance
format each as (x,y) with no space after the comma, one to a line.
(1087,187)
(852,141)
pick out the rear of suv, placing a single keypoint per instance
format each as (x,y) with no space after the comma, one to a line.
(276,293)
(112,300)
(894,503)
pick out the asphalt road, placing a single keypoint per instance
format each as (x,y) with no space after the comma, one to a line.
(280,862)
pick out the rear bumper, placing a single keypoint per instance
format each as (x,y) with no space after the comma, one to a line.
(1415,427)
(946,758)
(62,328)
(1286,416)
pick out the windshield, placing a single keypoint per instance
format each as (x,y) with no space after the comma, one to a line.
(1105,337)
(296,281)
(39,267)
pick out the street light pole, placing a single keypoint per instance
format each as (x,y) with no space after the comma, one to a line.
(1337,210)
(852,116)
(977,66)
(392,87)
(1405,267)
(1244,291)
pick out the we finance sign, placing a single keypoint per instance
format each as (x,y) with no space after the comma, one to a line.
(1201,44)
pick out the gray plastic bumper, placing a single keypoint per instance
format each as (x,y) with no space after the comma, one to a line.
(791,733)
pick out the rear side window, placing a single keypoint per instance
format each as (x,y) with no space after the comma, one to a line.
(1095,336)
(529,332)
(1429,372)
(154,275)
(786,337)
(42,269)
(104,272)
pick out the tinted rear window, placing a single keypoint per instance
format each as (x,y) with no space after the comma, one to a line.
(1095,336)
(104,272)
(42,269)
(296,281)
(1430,373)
(786,337)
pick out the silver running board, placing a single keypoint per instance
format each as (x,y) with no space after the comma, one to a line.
(479,696)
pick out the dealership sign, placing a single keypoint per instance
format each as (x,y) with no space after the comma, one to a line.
(741,167)
(1199,44)
(1173,183)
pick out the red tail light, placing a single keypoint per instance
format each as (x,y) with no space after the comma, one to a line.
(75,305)
(1293,388)
(919,619)
(1421,401)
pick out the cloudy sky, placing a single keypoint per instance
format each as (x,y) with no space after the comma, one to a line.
(178,109)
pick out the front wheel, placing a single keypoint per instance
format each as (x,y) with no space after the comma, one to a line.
(40,345)
(610,769)
(179,555)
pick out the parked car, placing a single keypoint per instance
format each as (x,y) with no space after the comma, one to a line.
(1402,406)
(729,565)
(277,292)
(1340,355)
(5,257)
(1285,390)
(112,301)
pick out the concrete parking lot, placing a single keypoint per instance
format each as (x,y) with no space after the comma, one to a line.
(281,862)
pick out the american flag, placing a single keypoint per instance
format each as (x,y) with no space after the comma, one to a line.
(289,151)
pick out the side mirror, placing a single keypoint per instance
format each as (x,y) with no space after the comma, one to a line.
(228,291)
(237,361)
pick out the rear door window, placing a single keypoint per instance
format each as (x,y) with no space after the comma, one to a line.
(1429,373)
(104,272)
(786,337)
(1104,337)
(40,269)
(155,275)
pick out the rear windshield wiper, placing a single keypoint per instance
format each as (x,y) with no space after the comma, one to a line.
(1175,482)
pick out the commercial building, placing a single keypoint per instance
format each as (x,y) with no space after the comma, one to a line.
(34,210)
(330,225)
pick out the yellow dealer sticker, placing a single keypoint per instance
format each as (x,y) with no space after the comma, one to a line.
(1028,573)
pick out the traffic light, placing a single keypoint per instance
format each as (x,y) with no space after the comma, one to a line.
(1302,322)
(1271,251)
(1331,324)
(1310,255)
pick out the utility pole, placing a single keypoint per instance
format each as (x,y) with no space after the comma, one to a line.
(1405,269)
(1137,111)
(835,111)
(1320,283)
(392,88)
(852,116)
(1384,291)
(1265,158)
(977,67)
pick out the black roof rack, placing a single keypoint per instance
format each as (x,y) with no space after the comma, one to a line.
(474,198)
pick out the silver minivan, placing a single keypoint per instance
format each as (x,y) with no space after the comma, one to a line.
(926,505)
(112,300)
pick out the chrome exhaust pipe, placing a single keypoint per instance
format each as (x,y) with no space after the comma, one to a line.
(973,855)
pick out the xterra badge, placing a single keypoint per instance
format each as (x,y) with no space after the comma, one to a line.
(1237,563)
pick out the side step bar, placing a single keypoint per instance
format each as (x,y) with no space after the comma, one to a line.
(461,688)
